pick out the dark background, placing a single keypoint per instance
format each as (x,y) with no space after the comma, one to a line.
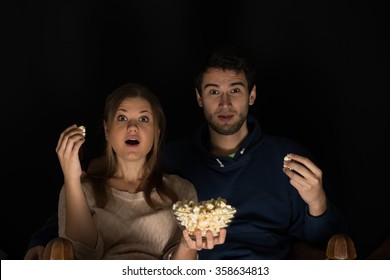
(322,79)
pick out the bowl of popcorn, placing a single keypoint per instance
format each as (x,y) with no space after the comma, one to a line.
(212,214)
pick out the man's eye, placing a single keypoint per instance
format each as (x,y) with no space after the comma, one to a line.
(235,90)
(143,119)
(122,118)
(213,92)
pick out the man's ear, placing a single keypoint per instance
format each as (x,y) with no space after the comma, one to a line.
(198,98)
(252,96)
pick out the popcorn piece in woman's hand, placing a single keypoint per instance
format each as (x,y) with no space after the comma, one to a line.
(83,129)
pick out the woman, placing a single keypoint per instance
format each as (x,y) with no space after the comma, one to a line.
(121,208)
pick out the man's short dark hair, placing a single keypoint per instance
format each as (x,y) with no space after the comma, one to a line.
(226,58)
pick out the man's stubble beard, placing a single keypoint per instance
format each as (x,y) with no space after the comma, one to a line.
(226,129)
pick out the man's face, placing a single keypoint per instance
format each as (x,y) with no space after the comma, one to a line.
(225,100)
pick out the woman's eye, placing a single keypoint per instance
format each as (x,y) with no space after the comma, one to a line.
(144,119)
(122,118)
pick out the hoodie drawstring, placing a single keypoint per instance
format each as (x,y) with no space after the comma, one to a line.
(220,162)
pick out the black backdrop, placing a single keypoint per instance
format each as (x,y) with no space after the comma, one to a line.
(322,78)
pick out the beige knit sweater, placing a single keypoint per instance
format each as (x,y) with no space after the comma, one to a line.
(128,228)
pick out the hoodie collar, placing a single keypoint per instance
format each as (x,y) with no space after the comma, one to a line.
(202,142)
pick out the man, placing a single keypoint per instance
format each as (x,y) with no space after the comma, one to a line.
(277,190)
(272,182)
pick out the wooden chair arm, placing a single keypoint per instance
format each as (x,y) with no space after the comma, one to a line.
(340,247)
(59,249)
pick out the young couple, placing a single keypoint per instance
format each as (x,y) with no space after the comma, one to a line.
(120,207)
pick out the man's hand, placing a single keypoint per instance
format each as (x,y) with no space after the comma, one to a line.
(306,177)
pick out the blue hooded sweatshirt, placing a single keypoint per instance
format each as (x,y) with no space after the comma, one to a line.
(270,211)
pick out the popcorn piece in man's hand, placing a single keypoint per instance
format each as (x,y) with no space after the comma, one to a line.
(287,158)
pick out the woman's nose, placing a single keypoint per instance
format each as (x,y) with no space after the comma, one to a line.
(132,126)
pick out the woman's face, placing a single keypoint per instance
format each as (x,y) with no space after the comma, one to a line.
(131,132)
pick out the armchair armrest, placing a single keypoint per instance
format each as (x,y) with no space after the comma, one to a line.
(340,247)
(59,249)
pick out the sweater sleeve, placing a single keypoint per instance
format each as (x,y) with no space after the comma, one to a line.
(81,251)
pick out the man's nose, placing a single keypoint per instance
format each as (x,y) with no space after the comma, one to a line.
(225,99)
